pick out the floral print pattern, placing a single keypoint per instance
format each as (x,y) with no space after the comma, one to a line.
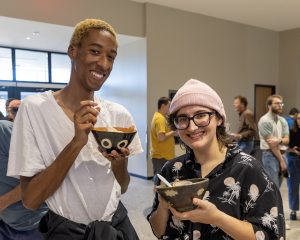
(239,187)
(233,191)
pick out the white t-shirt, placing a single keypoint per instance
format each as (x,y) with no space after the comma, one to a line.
(42,130)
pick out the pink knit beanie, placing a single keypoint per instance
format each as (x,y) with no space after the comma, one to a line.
(195,92)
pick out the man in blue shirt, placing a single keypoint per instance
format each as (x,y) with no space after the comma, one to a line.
(291,117)
(16,222)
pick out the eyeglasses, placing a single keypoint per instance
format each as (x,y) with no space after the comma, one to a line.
(200,120)
(279,103)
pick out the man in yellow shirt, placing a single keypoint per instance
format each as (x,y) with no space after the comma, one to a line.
(162,138)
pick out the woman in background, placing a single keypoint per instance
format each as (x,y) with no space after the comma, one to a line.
(293,157)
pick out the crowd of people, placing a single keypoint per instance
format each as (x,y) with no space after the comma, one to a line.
(51,177)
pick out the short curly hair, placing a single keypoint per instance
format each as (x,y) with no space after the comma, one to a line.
(82,29)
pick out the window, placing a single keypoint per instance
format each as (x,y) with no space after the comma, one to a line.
(27,65)
(6,71)
(32,66)
(61,68)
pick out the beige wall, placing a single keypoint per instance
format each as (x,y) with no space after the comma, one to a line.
(127,17)
(180,45)
(231,57)
(289,68)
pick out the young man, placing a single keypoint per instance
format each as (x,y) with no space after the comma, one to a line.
(10,108)
(247,129)
(16,222)
(55,154)
(274,138)
(162,138)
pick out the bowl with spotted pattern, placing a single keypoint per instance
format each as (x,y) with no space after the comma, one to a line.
(113,138)
(181,194)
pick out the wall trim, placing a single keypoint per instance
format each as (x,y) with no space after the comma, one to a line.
(140,176)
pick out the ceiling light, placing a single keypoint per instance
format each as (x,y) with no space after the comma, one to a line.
(36,33)
(28,38)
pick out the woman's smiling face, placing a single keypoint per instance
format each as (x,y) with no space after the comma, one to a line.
(198,138)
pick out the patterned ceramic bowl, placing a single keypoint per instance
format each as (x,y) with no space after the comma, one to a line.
(181,194)
(114,138)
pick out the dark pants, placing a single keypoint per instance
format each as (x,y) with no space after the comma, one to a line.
(158,163)
(8,233)
(56,227)
(293,181)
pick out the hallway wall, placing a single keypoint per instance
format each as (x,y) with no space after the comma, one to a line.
(231,57)
(289,68)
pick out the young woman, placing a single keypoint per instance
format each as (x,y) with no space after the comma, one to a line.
(294,167)
(241,201)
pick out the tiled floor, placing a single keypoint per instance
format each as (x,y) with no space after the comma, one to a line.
(139,198)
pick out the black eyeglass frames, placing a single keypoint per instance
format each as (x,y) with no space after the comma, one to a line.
(201,119)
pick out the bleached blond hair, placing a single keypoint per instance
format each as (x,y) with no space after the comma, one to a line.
(82,29)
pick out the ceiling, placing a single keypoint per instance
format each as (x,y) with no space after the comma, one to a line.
(277,15)
(21,33)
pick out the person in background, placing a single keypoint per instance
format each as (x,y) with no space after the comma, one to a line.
(56,155)
(12,109)
(162,138)
(291,117)
(293,157)
(16,222)
(247,128)
(2,117)
(274,139)
(6,106)
(241,201)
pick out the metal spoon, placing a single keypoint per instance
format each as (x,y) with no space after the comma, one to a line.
(165,181)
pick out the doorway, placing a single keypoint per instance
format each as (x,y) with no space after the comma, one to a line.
(261,93)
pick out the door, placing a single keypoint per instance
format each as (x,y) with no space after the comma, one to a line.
(262,92)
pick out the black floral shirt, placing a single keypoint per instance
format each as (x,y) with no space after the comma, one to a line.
(239,187)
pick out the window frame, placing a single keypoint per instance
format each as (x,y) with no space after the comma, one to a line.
(49,62)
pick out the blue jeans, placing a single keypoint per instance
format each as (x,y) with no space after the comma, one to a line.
(293,181)
(246,146)
(271,166)
(8,233)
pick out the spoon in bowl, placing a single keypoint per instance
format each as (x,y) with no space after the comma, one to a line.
(165,181)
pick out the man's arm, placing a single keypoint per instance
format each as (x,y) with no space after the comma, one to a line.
(164,136)
(285,140)
(10,197)
(266,131)
(273,143)
(36,189)
(252,128)
(13,195)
